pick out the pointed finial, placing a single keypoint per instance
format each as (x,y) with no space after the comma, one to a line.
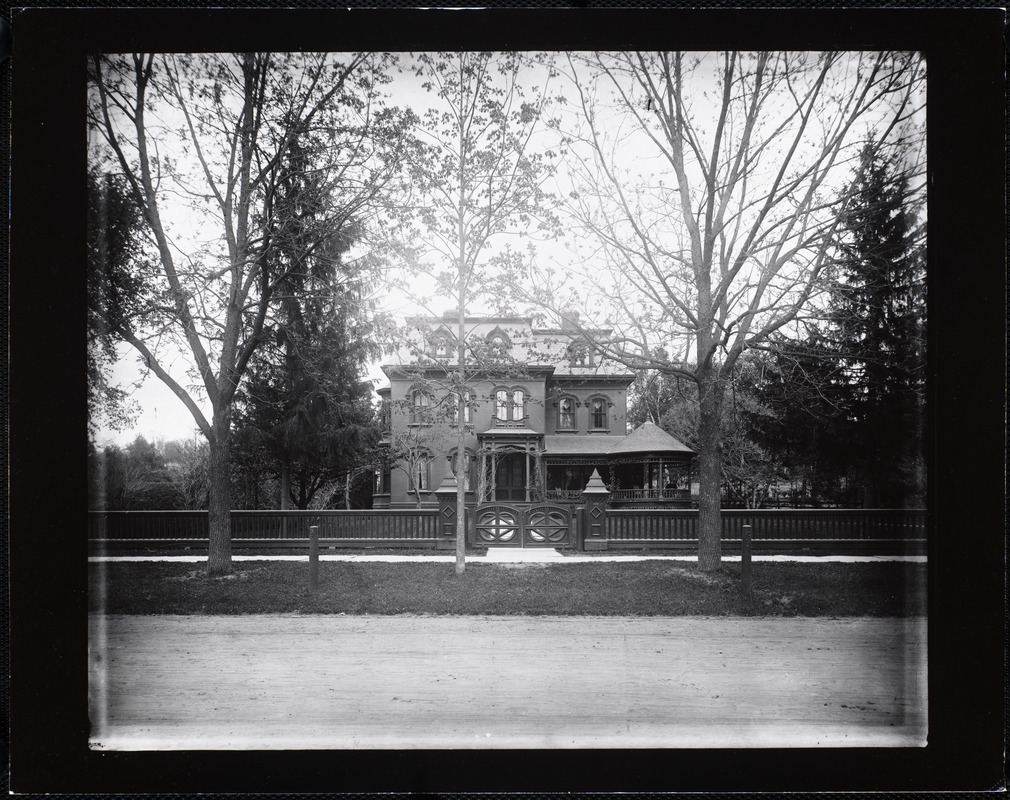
(595,485)
(448,484)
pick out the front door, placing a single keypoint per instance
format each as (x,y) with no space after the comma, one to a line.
(510,477)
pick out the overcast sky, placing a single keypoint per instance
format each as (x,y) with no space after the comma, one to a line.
(162,415)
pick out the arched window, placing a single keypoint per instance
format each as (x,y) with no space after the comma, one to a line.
(580,354)
(420,407)
(510,404)
(383,479)
(501,404)
(566,414)
(466,468)
(420,470)
(499,344)
(518,405)
(453,408)
(443,344)
(599,417)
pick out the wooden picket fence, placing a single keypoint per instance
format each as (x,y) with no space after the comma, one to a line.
(251,529)
(837,530)
(883,531)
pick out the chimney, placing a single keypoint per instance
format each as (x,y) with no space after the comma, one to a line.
(570,321)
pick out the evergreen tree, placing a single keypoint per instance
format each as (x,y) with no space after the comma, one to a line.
(849,396)
(304,407)
(879,319)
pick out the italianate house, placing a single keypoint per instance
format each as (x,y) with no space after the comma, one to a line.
(541,410)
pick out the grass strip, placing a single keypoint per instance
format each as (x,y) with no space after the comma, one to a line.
(891,589)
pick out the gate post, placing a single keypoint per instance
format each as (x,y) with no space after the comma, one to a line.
(745,568)
(446,494)
(594,528)
(313,558)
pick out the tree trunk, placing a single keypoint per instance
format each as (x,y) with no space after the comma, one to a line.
(461,475)
(347,491)
(219,500)
(285,492)
(710,392)
(285,484)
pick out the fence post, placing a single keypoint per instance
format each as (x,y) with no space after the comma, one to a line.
(745,571)
(313,557)
(446,527)
(595,497)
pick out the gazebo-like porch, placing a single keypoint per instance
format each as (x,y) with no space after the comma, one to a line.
(648,467)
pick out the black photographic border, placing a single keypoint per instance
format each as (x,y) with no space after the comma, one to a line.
(967,337)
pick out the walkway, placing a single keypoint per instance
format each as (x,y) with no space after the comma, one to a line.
(402,682)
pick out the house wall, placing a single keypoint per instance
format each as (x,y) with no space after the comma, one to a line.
(440,437)
(618,412)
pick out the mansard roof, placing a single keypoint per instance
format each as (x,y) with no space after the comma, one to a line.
(535,348)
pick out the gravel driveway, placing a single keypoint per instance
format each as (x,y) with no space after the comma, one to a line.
(401,682)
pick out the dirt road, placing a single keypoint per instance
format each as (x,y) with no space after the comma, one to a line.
(334,682)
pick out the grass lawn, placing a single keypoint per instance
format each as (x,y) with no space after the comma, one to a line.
(891,589)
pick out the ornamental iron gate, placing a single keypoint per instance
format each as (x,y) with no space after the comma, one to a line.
(539,525)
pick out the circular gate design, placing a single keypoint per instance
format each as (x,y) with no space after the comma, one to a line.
(522,526)
(546,525)
(498,525)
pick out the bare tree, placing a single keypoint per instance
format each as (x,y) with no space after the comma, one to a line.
(202,142)
(709,191)
(480,175)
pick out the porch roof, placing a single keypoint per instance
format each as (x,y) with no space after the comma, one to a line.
(526,432)
(649,438)
(567,445)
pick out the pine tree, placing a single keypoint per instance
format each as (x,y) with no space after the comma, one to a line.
(305,407)
(879,330)
(848,397)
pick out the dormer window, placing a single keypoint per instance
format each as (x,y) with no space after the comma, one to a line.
(580,355)
(499,343)
(443,345)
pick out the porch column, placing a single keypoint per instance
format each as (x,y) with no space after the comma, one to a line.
(527,472)
(493,488)
(482,477)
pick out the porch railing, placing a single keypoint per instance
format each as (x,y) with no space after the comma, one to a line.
(650,494)
(566,495)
